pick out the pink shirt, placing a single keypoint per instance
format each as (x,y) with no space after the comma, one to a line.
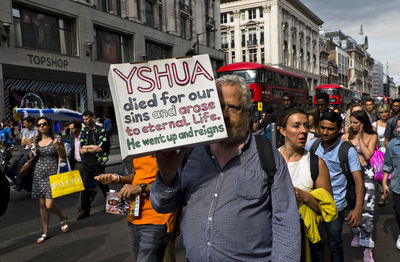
(77,146)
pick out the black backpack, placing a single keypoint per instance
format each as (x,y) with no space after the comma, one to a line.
(345,166)
(264,148)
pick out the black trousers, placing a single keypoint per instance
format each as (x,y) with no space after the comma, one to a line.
(396,207)
(88,172)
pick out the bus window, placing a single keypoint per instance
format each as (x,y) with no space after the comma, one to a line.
(277,79)
(284,81)
(249,76)
(292,82)
(270,77)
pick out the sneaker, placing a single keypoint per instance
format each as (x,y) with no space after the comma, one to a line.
(356,240)
(368,257)
(398,242)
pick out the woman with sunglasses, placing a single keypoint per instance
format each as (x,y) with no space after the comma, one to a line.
(50,151)
(380,127)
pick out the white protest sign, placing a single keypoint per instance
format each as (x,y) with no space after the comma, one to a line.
(165,104)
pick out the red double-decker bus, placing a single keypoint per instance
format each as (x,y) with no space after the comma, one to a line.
(267,83)
(338,95)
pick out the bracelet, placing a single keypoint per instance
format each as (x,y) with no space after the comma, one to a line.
(119,178)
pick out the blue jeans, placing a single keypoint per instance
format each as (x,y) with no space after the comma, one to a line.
(334,232)
(148,242)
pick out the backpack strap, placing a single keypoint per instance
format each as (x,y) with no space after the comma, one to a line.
(315,145)
(267,159)
(314,167)
(344,157)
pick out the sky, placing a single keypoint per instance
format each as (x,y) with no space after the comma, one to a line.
(380,20)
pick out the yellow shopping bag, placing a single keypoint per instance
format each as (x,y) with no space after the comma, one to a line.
(66,183)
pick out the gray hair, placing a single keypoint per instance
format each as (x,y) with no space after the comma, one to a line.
(234,80)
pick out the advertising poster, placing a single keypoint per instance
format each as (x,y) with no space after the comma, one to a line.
(165,104)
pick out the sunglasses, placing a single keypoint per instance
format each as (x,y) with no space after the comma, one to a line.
(41,125)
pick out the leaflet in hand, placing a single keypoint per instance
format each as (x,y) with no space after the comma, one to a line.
(115,205)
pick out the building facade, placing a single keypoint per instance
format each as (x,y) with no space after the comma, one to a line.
(57,53)
(281,33)
(360,61)
(377,78)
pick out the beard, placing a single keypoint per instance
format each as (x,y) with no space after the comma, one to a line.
(237,131)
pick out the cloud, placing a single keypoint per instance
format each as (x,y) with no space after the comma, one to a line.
(380,20)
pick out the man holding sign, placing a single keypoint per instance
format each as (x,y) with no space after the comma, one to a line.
(230,213)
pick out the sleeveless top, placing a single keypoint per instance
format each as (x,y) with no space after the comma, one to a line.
(300,172)
(380,130)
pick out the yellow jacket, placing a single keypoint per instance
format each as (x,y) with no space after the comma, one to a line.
(327,207)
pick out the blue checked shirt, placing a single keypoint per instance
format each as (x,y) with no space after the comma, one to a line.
(392,163)
(228,214)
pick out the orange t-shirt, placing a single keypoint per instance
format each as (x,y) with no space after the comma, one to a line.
(145,172)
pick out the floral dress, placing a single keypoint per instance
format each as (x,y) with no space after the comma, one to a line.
(46,166)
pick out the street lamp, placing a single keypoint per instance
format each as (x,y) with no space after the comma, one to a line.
(213,29)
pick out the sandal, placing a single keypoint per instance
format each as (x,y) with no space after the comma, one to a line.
(42,238)
(64,225)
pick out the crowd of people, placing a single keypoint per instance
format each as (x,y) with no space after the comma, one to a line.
(243,198)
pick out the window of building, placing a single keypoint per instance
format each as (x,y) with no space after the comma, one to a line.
(261,12)
(243,16)
(252,36)
(232,39)
(231,17)
(110,6)
(252,13)
(243,55)
(35,29)
(206,6)
(233,56)
(160,18)
(156,51)
(224,18)
(224,40)
(262,56)
(112,47)
(183,26)
(261,35)
(253,55)
(243,38)
(149,14)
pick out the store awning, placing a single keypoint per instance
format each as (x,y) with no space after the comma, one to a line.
(43,86)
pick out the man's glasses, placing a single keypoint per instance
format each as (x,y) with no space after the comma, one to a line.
(41,125)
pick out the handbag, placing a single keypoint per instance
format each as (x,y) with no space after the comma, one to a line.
(29,166)
(62,184)
(376,161)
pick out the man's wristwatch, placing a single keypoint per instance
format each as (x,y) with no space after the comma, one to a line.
(143,188)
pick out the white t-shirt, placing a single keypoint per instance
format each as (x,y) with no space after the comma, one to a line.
(29,134)
(300,173)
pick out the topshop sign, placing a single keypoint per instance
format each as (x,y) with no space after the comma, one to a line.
(47,61)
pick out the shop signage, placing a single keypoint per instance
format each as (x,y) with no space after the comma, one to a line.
(165,104)
(102,95)
(47,61)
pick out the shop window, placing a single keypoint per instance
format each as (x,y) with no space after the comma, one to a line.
(243,55)
(112,47)
(156,51)
(233,56)
(35,29)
